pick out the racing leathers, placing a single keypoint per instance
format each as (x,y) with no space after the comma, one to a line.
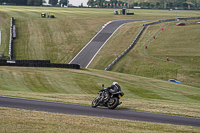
(112,89)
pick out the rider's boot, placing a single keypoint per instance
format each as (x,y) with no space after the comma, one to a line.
(107,96)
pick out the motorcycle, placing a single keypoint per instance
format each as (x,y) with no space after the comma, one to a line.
(111,103)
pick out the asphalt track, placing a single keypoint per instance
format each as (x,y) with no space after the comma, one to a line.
(73,109)
(87,54)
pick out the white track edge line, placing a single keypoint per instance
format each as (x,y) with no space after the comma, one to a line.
(106,42)
(103,45)
(87,45)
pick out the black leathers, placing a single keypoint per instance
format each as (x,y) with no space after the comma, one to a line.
(112,89)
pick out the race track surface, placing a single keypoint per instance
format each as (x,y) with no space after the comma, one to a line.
(86,55)
(65,108)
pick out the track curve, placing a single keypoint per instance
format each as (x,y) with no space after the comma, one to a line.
(87,54)
(74,109)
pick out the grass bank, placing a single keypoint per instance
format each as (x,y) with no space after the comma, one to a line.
(180,44)
(82,86)
(15,120)
(60,39)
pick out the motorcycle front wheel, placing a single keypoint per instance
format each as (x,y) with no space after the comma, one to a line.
(114,103)
(95,102)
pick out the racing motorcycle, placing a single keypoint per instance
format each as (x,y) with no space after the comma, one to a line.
(111,103)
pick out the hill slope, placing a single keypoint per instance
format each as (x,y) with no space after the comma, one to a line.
(60,39)
(180,44)
(81,86)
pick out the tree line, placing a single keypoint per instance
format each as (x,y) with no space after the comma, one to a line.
(22,2)
(144,3)
(114,3)
(32,2)
(104,3)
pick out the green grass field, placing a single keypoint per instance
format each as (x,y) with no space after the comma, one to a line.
(142,73)
(81,87)
(180,44)
(60,39)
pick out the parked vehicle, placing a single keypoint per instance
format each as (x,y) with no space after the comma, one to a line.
(180,24)
(102,99)
(174,81)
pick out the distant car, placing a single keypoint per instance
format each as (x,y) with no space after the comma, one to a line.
(116,12)
(174,81)
(180,24)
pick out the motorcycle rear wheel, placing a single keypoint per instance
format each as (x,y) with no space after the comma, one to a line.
(114,103)
(95,102)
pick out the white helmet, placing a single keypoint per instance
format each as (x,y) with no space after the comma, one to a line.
(114,83)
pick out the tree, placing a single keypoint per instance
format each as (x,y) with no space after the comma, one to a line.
(157,4)
(135,4)
(53,2)
(178,3)
(97,2)
(37,2)
(34,2)
(113,1)
(170,4)
(194,2)
(64,2)
(90,3)
(101,3)
(152,5)
(145,4)
(30,2)
(198,3)
(184,4)
(21,2)
(17,2)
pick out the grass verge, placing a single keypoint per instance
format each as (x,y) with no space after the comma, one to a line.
(16,120)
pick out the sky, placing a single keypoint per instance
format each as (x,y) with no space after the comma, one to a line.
(78,2)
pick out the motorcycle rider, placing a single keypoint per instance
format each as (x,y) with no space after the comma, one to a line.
(112,89)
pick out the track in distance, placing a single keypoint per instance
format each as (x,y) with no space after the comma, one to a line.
(87,54)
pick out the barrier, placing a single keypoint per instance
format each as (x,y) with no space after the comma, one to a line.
(29,63)
(144,26)
(36,63)
(33,61)
(127,50)
(14,32)
(11,48)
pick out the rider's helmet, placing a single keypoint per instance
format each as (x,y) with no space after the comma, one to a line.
(114,83)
